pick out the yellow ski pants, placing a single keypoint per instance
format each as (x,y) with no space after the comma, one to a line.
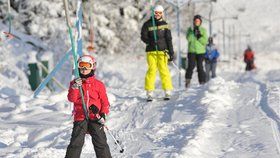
(157,60)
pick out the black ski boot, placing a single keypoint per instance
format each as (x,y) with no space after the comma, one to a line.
(187,83)
(149,96)
(167,95)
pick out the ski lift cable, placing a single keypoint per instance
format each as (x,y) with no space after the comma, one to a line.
(9,16)
(79,16)
(90,48)
(91,30)
(238,20)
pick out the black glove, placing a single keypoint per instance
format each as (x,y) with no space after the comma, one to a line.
(102,119)
(170,55)
(171,58)
(197,32)
(94,109)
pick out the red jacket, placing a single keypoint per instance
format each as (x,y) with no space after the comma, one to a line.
(94,93)
(248,55)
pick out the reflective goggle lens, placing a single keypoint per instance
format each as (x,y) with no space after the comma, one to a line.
(85,65)
(158,13)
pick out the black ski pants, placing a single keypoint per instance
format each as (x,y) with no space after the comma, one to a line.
(196,60)
(249,65)
(99,140)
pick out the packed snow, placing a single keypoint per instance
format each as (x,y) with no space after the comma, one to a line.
(236,114)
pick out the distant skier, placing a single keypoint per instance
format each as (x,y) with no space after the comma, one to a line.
(159,53)
(211,57)
(5,36)
(249,59)
(94,95)
(197,41)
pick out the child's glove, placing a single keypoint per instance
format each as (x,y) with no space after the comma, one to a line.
(78,83)
(102,119)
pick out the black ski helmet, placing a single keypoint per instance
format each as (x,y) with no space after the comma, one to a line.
(197,17)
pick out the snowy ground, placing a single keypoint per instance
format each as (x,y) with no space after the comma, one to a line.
(234,115)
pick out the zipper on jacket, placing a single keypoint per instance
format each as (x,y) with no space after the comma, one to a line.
(87,99)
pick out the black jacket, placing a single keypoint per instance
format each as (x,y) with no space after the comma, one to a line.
(163,33)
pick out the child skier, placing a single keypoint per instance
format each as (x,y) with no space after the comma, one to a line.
(94,95)
(211,57)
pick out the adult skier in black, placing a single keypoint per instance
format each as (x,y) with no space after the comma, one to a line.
(159,50)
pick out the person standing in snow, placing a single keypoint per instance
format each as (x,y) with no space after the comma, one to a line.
(211,57)
(197,40)
(94,95)
(249,58)
(5,36)
(159,52)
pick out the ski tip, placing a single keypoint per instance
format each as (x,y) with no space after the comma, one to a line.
(122,150)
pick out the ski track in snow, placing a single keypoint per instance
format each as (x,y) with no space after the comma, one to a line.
(168,129)
(269,110)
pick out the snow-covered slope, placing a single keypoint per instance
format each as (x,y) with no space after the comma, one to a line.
(235,115)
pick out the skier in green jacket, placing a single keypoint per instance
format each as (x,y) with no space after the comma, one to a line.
(197,40)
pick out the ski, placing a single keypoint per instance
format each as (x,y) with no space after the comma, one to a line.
(154,23)
(74,53)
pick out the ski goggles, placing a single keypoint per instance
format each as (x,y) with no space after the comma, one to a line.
(158,13)
(85,65)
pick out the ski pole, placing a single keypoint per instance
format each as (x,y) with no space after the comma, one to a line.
(65,2)
(116,141)
(95,111)
(177,68)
